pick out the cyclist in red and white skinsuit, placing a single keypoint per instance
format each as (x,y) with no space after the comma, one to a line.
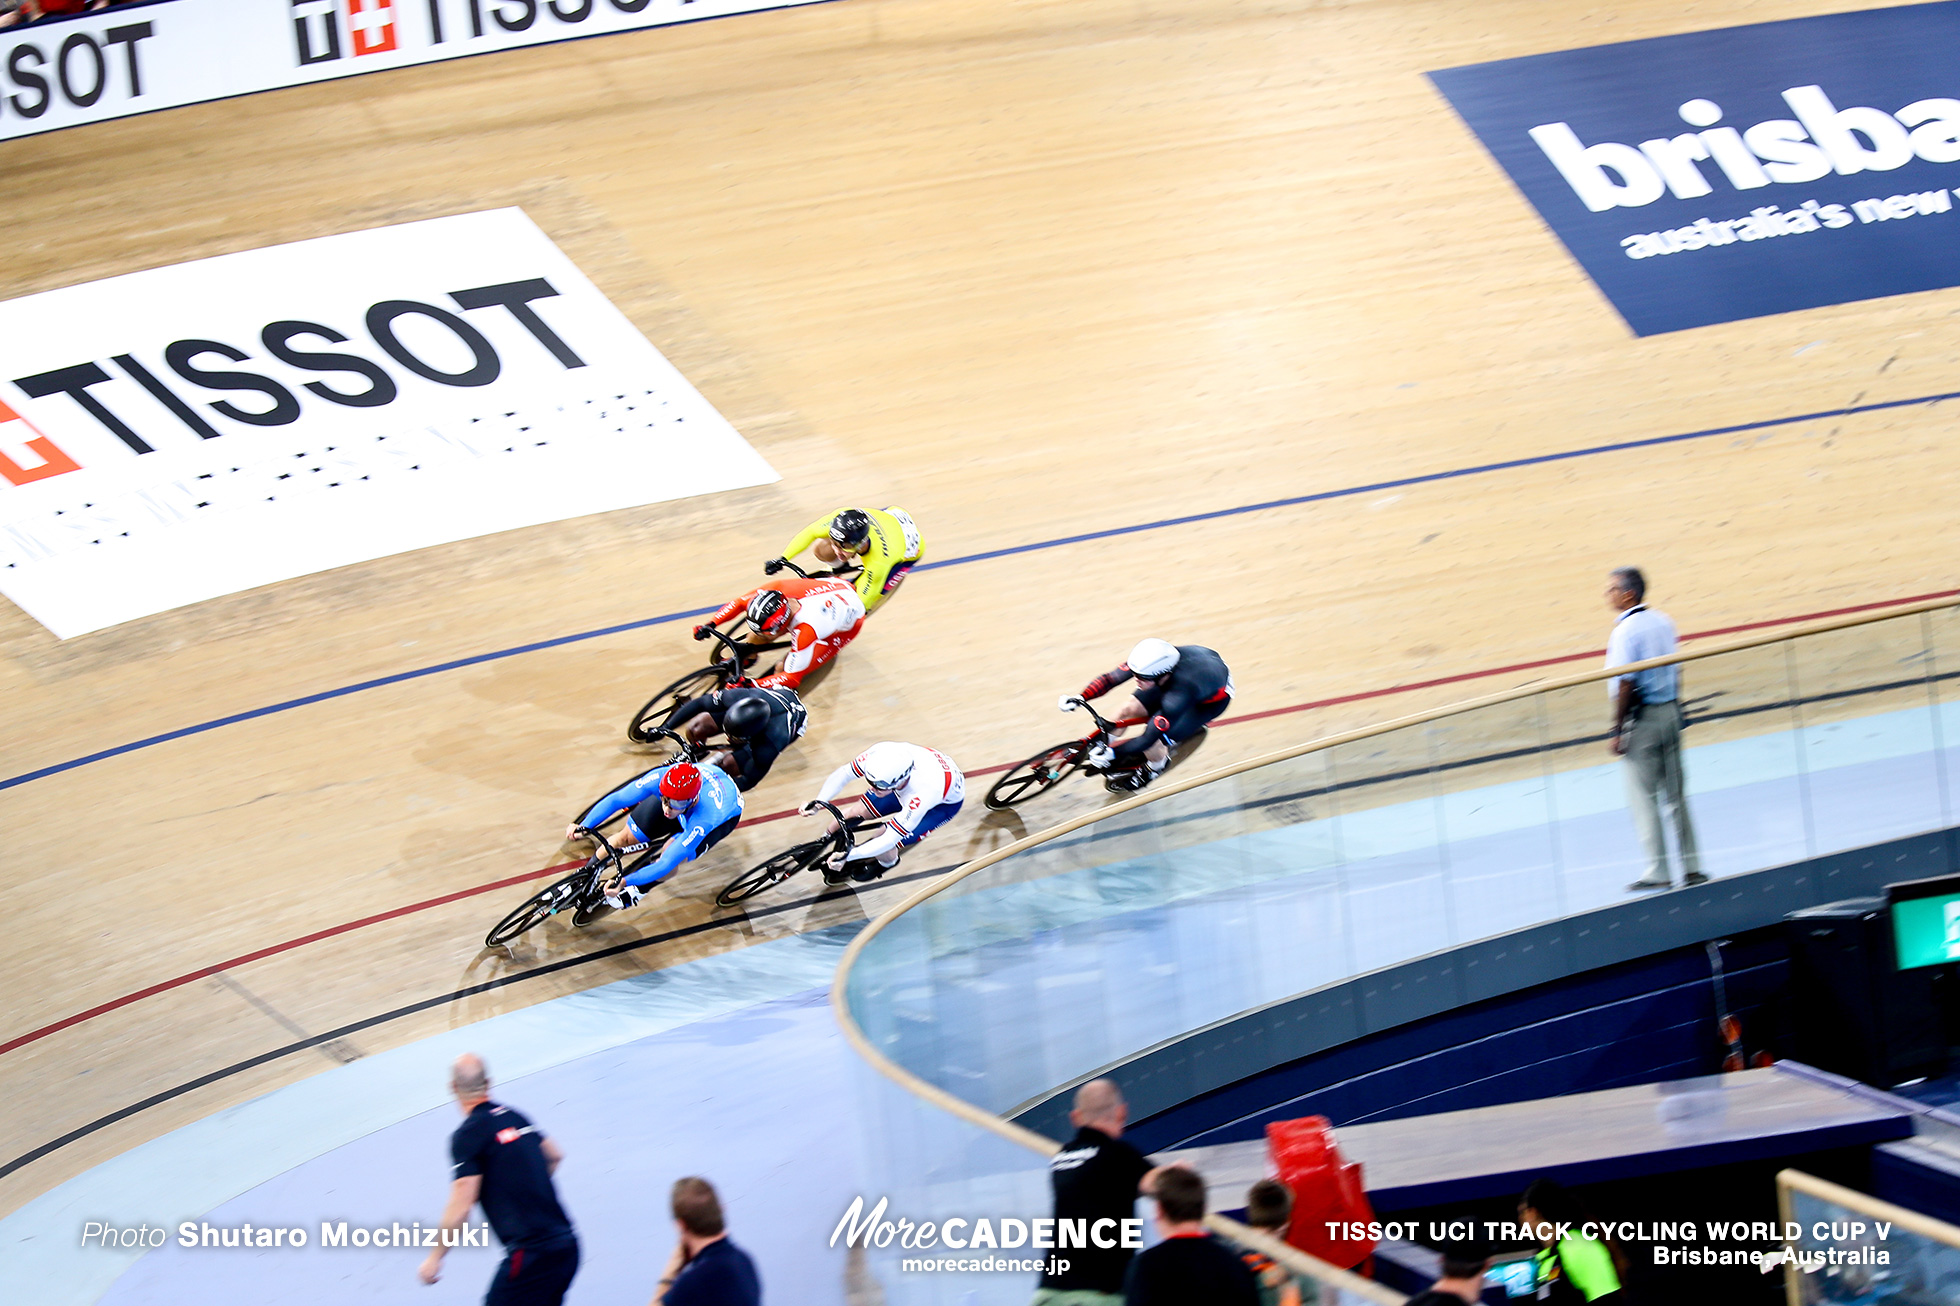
(915,789)
(821,616)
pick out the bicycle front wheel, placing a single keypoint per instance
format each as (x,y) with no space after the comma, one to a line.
(691,685)
(1037,775)
(771,873)
(537,909)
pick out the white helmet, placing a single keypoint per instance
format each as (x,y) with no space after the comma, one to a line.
(885,766)
(1153,657)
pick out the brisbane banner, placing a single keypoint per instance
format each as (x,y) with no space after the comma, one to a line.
(201,429)
(135,58)
(1736,173)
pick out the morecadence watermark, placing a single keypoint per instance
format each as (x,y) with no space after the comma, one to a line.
(858,1228)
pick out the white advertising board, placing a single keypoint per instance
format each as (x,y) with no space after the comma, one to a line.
(123,61)
(197,430)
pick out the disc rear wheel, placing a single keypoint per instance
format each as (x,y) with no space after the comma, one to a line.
(771,873)
(695,683)
(1037,775)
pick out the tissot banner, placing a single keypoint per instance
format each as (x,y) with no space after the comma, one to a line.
(1741,172)
(173,435)
(133,59)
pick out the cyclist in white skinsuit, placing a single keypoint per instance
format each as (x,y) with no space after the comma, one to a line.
(915,789)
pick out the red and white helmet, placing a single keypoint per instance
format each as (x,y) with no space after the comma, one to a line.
(680,784)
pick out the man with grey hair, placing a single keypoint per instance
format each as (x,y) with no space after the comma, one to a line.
(503,1161)
(1647,728)
(1097,1178)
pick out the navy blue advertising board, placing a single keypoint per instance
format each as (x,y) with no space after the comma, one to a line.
(1737,173)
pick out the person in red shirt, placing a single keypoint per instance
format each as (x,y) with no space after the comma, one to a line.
(819,615)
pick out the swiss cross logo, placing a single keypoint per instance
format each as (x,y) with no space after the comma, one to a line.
(373,24)
(503,1135)
(19,439)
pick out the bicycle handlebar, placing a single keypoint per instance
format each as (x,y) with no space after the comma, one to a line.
(1103,724)
(734,651)
(605,846)
(843,823)
(833,573)
(687,751)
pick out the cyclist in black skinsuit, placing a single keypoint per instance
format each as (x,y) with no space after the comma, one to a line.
(1180,690)
(759,722)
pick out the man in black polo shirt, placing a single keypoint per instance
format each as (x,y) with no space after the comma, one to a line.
(504,1162)
(1189,1266)
(1097,1177)
(706,1269)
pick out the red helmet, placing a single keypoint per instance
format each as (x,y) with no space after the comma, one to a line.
(681,784)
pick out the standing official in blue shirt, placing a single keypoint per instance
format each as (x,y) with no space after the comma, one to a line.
(1647,728)
(503,1161)
(706,1269)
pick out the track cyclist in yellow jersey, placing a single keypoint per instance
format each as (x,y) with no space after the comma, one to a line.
(885,542)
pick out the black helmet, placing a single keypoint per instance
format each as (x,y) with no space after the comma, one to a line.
(769,611)
(851,529)
(748,716)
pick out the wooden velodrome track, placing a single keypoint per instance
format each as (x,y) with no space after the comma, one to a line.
(1033,271)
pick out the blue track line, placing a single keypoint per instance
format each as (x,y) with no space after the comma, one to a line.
(1168,522)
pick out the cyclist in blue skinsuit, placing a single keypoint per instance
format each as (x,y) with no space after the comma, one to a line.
(696,807)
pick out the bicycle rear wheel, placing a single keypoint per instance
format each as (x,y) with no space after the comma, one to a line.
(772,872)
(538,908)
(694,683)
(1037,775)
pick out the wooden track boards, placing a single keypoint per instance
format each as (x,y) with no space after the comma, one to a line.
(1031,271)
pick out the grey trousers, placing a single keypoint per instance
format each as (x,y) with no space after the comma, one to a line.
(1654,779)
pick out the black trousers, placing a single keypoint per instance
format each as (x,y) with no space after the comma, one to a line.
(534,1276)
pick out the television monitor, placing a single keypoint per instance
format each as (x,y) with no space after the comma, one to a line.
(1925,921)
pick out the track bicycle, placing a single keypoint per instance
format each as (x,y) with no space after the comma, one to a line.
(801,857)
(579,892)
(726,668)
(1051,766)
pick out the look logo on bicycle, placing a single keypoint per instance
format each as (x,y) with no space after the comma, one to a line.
(1180,690)
(915,789)
(691,807)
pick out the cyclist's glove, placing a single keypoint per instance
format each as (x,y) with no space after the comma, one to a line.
(774,565)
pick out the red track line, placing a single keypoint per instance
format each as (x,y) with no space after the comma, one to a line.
(424,905)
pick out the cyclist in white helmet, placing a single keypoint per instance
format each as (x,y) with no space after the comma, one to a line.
(1180,690)
(915,789)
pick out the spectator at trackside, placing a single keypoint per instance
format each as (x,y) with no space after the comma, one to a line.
(1462,1280)
(505,1162)
(706,1269)
(1096,1176)
(1647,728)
(1189,1265)
(1573,1269)
(1269,1209)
